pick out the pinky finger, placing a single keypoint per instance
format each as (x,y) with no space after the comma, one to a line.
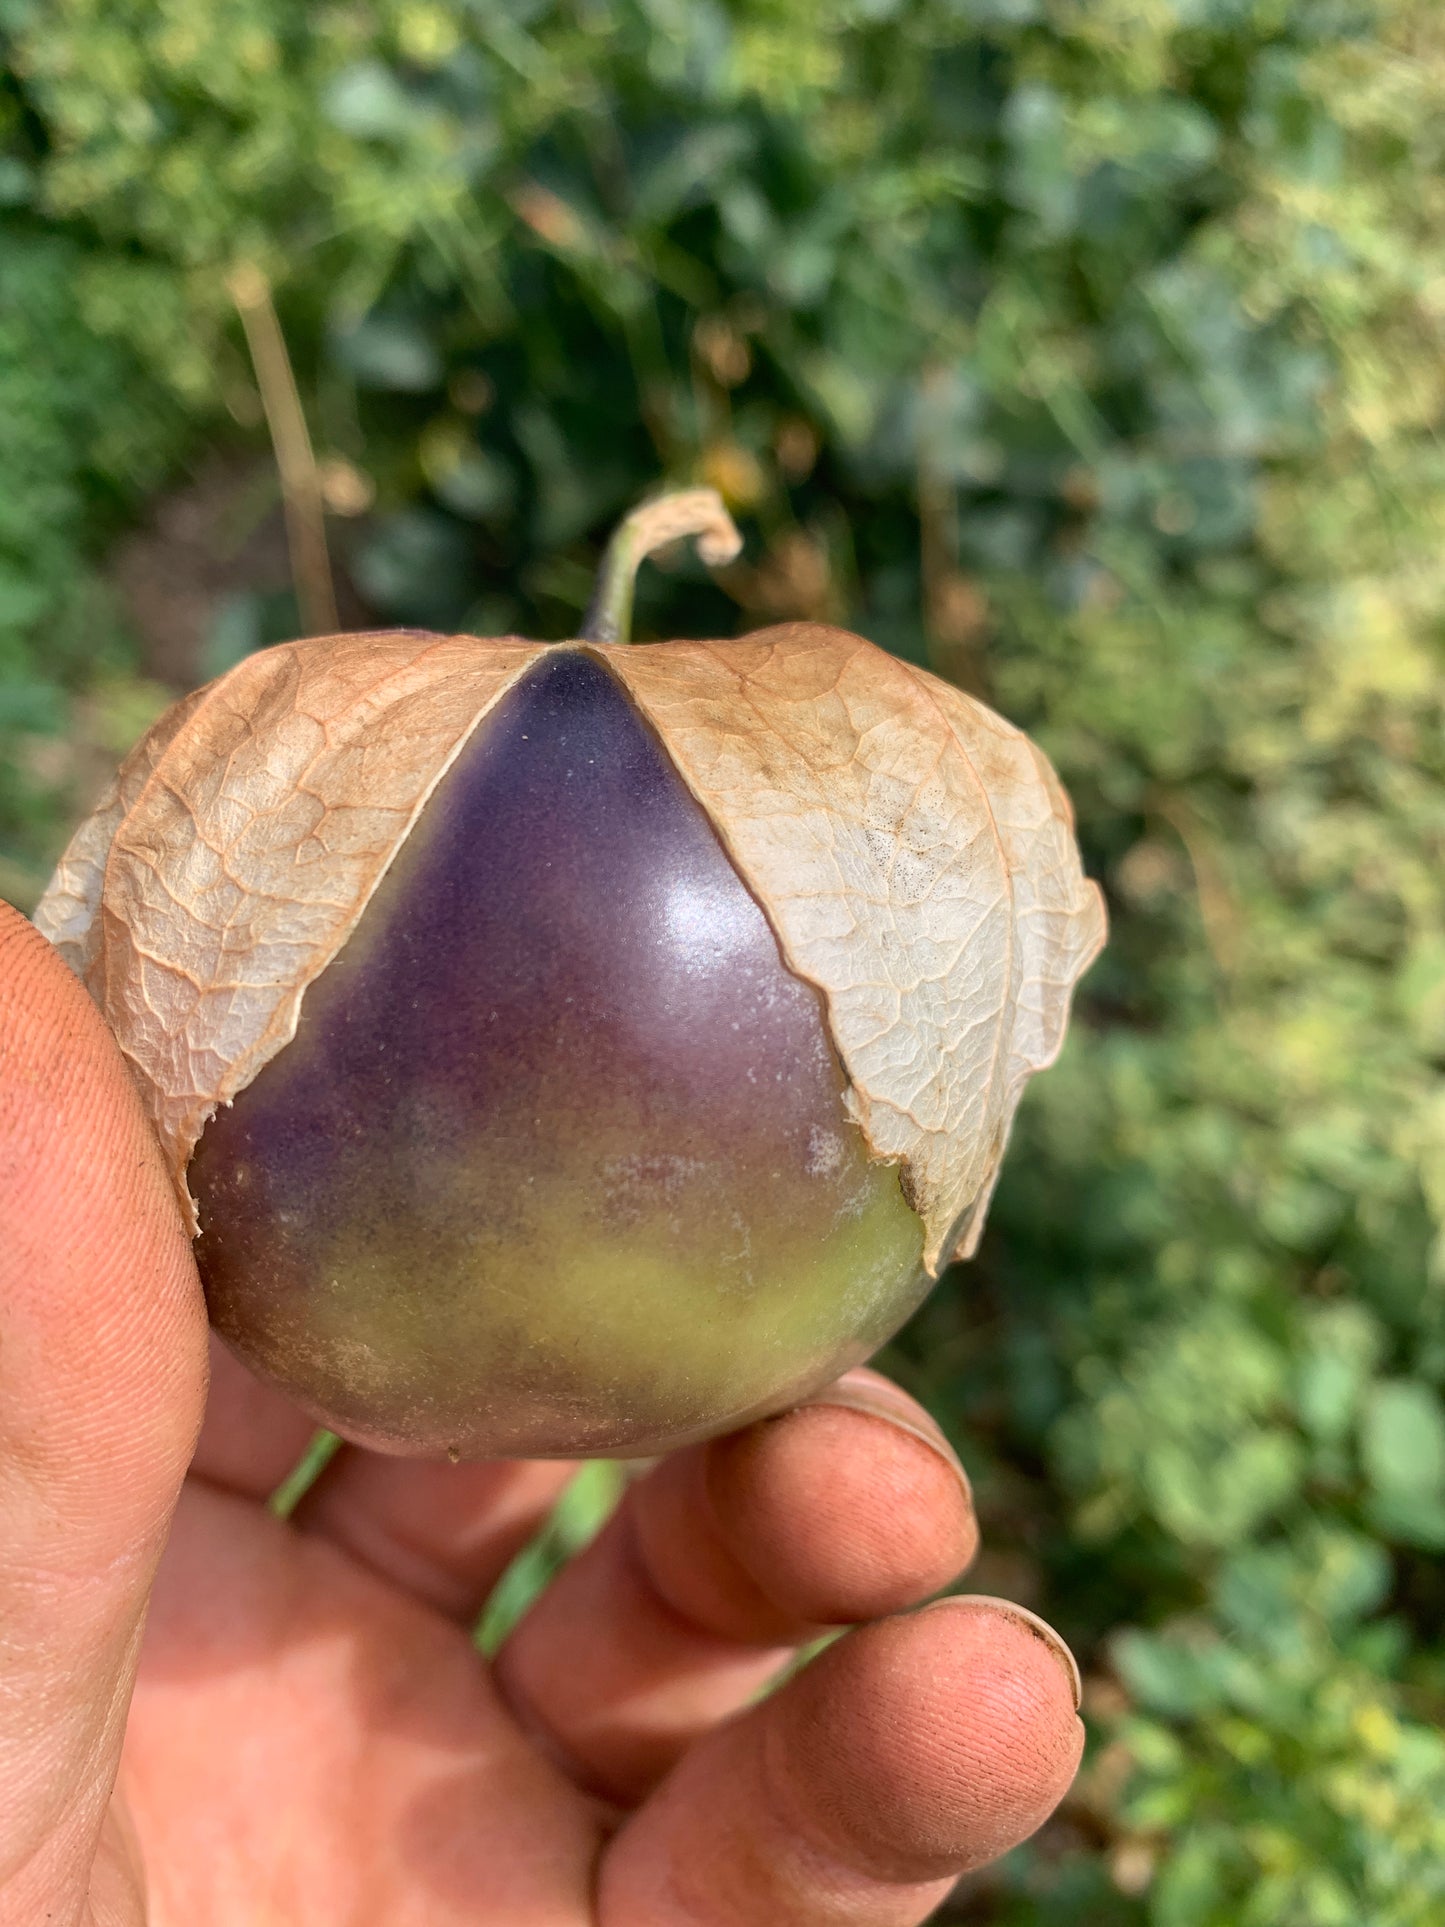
(912,1751)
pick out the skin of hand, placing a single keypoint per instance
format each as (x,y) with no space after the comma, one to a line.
(208,1714)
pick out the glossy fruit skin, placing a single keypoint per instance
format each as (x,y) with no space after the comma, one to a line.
(558,1161)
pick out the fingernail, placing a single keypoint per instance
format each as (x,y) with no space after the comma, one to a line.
(869,1393)
(1040,1628)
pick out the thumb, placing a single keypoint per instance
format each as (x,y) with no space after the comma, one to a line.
(102,1381)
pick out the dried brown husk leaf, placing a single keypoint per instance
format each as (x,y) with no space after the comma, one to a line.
(916,856)
(241,842)
(68,912)
(914,853)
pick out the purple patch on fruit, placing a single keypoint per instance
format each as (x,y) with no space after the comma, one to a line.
(558,1160)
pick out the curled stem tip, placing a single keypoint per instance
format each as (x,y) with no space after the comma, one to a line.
(697,512)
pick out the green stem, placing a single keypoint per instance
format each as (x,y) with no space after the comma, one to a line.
(299,1481)
(697,512)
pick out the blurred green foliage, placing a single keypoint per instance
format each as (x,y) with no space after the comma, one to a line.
(1088,349)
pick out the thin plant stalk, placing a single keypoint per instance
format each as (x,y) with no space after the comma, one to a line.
(291,440)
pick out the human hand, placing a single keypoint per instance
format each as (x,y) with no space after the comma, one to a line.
(307,1736)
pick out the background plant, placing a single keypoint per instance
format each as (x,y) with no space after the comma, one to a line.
(1089,351)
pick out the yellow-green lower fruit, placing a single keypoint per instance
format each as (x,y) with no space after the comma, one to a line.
(558,1161)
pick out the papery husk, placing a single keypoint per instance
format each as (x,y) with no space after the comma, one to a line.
(914,854)
(241,842)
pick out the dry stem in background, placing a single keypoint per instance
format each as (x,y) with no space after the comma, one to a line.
(291,440)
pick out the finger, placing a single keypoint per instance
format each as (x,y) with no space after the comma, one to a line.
(253,1436)
(722,1560)
(102,1377)
(910,1752)
(444,1533)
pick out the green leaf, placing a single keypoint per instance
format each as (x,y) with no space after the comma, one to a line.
(385,351)
(1402,1440)
(368,100)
